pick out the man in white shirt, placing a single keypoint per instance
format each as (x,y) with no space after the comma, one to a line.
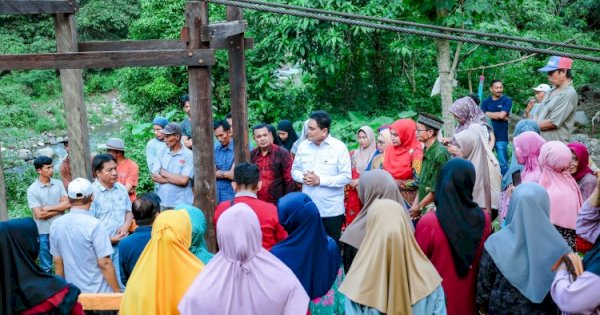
(322,165)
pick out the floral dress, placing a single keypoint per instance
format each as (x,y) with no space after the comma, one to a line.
(332,303)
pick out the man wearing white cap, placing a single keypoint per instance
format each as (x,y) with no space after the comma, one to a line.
(533,106)
(128,172)
(556,116)
(80,244)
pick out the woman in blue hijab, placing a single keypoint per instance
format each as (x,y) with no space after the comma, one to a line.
(198,247)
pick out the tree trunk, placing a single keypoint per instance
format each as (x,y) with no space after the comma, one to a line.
(443,62)
(3,206)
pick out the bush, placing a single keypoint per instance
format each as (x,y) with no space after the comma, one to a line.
(17,181)
(44,124)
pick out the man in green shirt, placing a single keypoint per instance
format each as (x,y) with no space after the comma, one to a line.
(434,159)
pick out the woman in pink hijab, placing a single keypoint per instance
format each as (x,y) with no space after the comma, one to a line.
(565,197)
(243,277)
(527,149)
(580,169)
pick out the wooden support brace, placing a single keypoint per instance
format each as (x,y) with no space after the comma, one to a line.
(222,30)
(224,43)
(101,301)
(215,43)
(38,6)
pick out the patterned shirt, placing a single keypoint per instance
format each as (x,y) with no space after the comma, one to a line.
(275,173)
(434,159)
(110,206)
(224,162)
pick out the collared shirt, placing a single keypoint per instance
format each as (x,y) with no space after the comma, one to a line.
(186,127)
(181,163)
(128,173)
(275,173)
(130,250)
(559,106)
(503,104)
(434,159)
(80,240)
(331,162)
(39,194)
(153,148)
(223,162)
(110,205)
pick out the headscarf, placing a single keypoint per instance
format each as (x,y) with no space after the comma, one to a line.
(243,277)
(273,132)
(461,218)
(387,136)
(374,185)
(527,247)
(362,157)
(527,150)
(311,254)
(466,108)
(583,156)
(390,272)
(565,196)
(165,269)
(286,125)
(303,136)
(522,126)
(198,247)
(23,283)
(398,159)
(591,260)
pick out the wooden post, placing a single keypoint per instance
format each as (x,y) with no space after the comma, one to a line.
(237,82)
(3,205)
(202,122)
(72,90)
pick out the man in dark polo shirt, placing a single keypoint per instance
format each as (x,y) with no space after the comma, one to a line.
(497,107)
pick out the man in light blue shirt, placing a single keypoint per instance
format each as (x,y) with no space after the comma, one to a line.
(322,165)
(173,170)
(156,144)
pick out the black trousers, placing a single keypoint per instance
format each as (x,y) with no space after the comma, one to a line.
(333,228)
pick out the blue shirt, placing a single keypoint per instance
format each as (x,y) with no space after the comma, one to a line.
(503,104)
(130,249)
(110,205)
(224,162)
(181,163)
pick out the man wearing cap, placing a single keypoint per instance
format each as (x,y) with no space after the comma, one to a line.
(156,144)
(173,170)
(81,246)
(436,155)
(533,107)
(186,124)
(556,116)
(497,108)
(128,171)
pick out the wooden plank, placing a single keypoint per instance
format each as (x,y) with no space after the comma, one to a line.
(100,301)
(223,43)
(223,29)
(237,82)
(72,89)
(108,59)
(132,45)
(3,203)
(38,6)
(202,123)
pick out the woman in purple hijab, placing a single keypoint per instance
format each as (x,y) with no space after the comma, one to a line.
(243,277)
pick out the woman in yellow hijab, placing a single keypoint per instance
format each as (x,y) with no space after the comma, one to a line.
(165,270)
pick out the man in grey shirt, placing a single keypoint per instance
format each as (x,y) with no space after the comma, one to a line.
(556,116)
(81,246)
(48,200)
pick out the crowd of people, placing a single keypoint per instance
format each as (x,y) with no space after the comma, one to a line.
(410,222)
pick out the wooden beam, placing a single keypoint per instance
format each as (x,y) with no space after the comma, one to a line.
(108,59)
(3,204)
(38,6)
(224,43)
(223,29)
(132,45)
(237,82)
(100,301)
(202,122)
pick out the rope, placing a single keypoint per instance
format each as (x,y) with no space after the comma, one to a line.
(421,25)
(267,8)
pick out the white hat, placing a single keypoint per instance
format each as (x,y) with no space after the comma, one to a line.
(79,188)
(542,88)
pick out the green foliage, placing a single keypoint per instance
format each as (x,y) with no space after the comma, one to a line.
(345,127)
(44,124)
(100,81)
(17,182)
(106,19)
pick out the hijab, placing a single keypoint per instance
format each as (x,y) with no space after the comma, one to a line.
(243,277)
(527,149)
(23,283)
(286,125)
(303,136)
(525,249)
(308,251)
(565,196)
(459,215)
(465,108)
(522,126)
(581,151)
(390,272)
(374,185)
(362,157)
(398,159)
(198,247)
(165,270)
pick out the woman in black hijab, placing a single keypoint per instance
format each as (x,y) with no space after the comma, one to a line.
(24,287)
(286,134)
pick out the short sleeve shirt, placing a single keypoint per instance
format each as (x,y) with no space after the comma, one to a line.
(128,173)
(39,194)
(503,104)
(186,126)
(110,205)
(181,163)
(559,106)
(434,159)
(80,240)
(153,148)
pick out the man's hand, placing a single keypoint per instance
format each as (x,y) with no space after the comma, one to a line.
(118,236)
(311,179)
(228,175)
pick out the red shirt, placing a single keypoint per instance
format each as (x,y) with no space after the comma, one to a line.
(275,173)
(272,231)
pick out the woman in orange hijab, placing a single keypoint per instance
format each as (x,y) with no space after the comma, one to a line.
(403,158)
